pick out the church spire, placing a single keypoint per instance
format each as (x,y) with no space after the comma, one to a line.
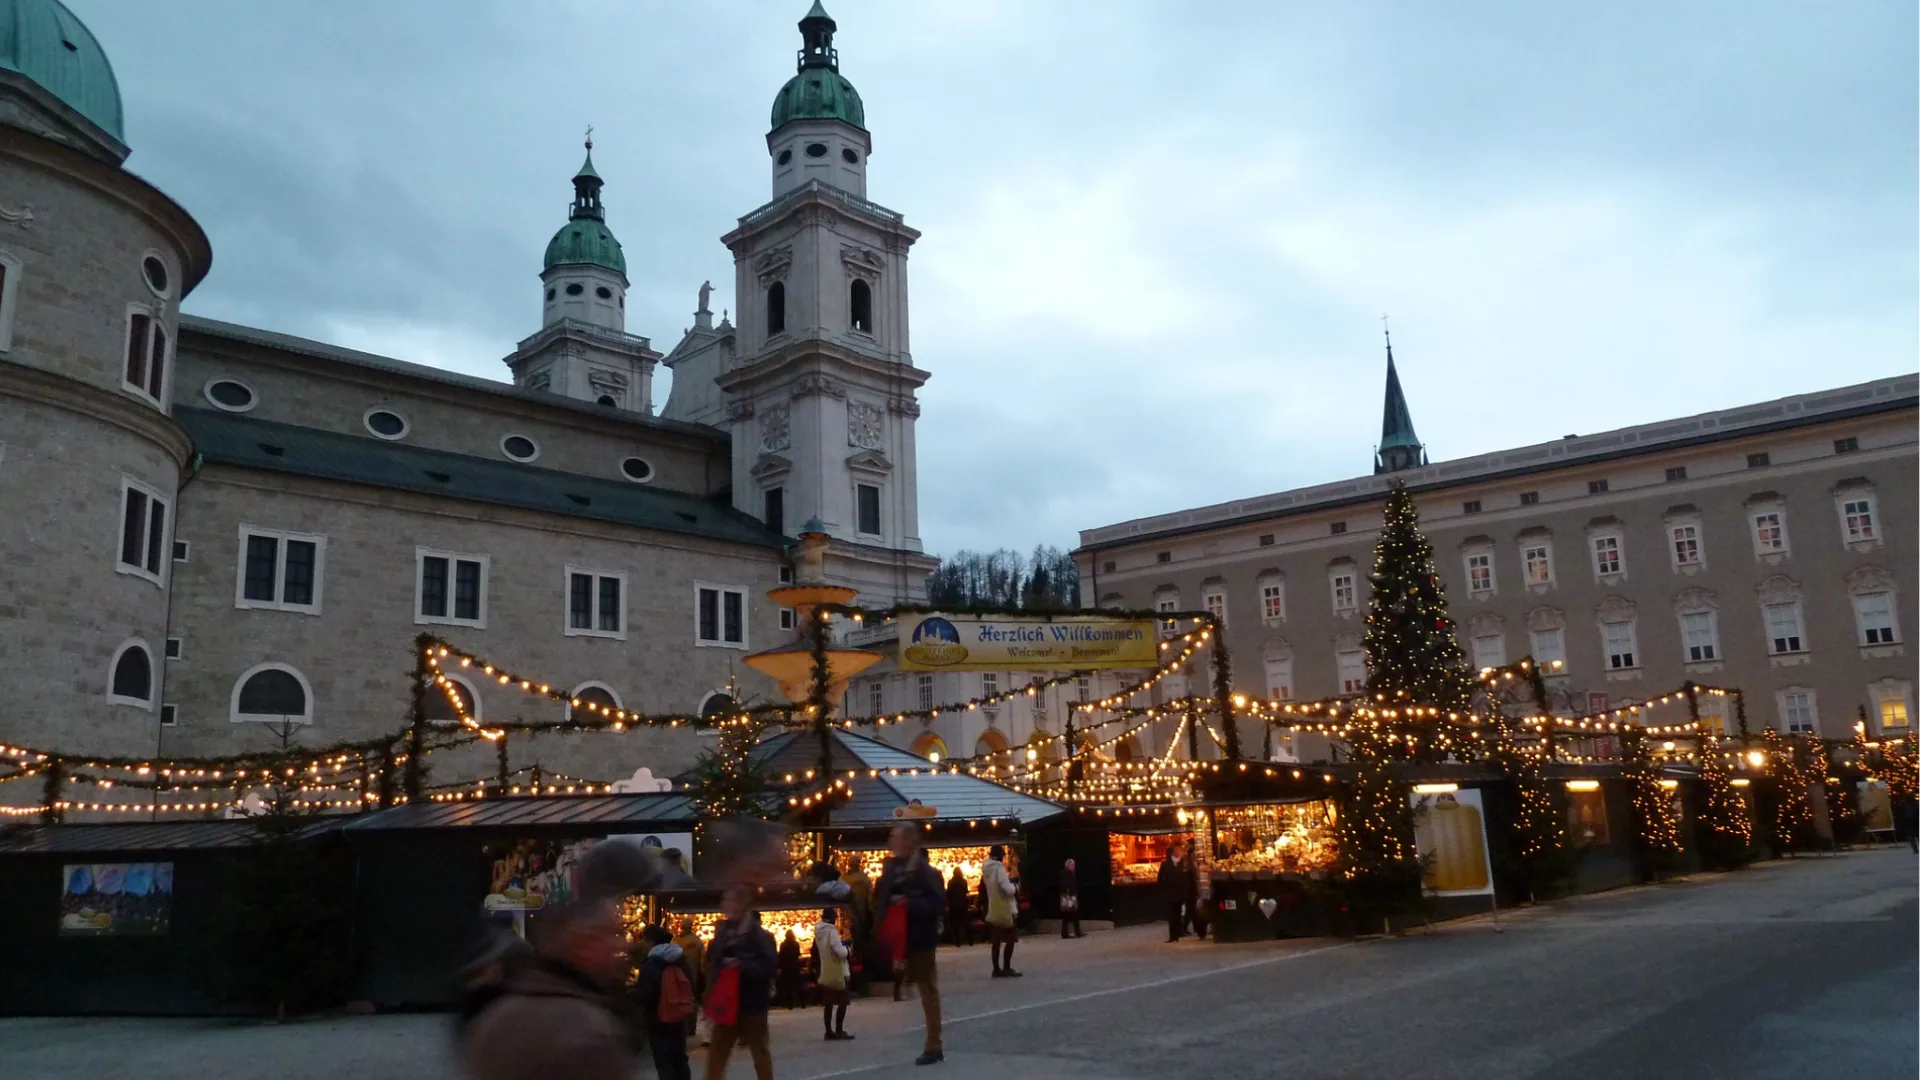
(816,38)
(586,188)
(1400,448)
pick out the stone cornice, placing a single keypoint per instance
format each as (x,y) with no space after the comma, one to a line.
(897,376)
(615,340)
(816,199)
(106,406)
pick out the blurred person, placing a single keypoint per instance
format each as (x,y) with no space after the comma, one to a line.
(557,1017)
(911,886)
(742,964)
(665,995)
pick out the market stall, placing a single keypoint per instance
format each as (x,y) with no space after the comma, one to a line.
(1260,862)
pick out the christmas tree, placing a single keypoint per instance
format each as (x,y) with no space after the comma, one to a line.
(726,782)
(1412,655)
(1380,868)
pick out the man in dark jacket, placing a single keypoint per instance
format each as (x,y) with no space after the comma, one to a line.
(739,942)
(1176,888)
(910,882)
(959,916)
(1070,902)
(668,1042)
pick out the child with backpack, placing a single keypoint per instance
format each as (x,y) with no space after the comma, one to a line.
(666,997)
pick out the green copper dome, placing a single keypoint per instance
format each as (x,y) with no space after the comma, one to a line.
(818,92)
(42,40)
(585,240)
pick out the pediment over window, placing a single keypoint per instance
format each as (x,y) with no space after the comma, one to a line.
(1853,483)
(1615,609)
(770,466)
(1271,573)
(1607,521)
(1486,623)
(1869,579)
(870,461)
(1534,532)
(1764,498)
(1347,641)
(1478,540)
(1683,510)
(1276,648)
(1778,589)
(1546,618)
(1691,600)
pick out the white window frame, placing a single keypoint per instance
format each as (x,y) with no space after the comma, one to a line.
(1797,641)
(788,618)
(157,576)
(1890,631)
(1215,602)
(1864,532)
(1273,599)
(1632,650)
(1280,688)
(1710,648)
(1892,690)
(420,557)
(880,508)
(1781,699)
(153,675)
(10,299)
(989,684)
(1342,661)
(1597,544)
(280,538)
(720,616)
(923,692)
(1686,544)
(1542,547)
(1757,522)
(1480,559)
(1489,650)
(594,614)
(1168,603)
(234,715)
(1352,578)
(877,696)
(619,703)
(155,325)
(1546,657)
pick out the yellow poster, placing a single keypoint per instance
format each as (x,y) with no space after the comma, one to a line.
(1450,830)
(1061,643)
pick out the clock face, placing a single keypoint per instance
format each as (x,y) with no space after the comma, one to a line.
(863,426)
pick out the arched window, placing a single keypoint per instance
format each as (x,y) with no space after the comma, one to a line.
(1040,747)
(131,680)
(776,308)
(592,693)
(860,304)
(930,746)
(272,693)
(991,742)
(1127,749)
(440,709)
(718,704)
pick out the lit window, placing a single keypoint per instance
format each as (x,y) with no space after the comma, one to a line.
(1280,678)
(131,680)
(1875,612)
(1783,627)
(143,530)
(1686,544)
(720,616)
(1621,645)
(1480,573)
(1550,648)
(279,570)
(1273,600)
(596,603)
(272,694)
(1489,650)
(1799,713)
(1856,513)
(1699,636)
(145,372)
(1538,558)
(1352,665)
(1606,555)
(924,687)
(1893,707)
(1587,818)
(1344,595)
(452,588)
(1769,532)
(1167,603)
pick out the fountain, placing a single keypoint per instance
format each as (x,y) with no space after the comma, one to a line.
(791,665)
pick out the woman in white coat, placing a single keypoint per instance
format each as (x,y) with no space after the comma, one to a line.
(830,953)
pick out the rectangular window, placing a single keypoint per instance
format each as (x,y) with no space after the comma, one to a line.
(1769,532)
(1606,555)
(1783,627)
(1759,461)
(1471,506)
(1846,446)
(868,497)
(1108,566)
(786,618)
(173,648)
(1083,689)
(1280,678)
(1798,712)
(146,367)
(1339,527)
(1216,606)
(1539,563)
(143,530)
(1678,472)
(1344,598)
(180,551)
(1550,648)
(1273,600)
(1875,611)
(1353,671)
(1621,645)
(1529,498)
(1266,540)
(1480,573)
(1893,712)
(8,277)
(1164,556)
(1587,818)
(1857,513)
(924,686)
(1698,635)
(1713,714)
(452,588)
(877,697)
(169,715)
(1167,603)
(1686,544)
(775,505)
(720,616)
(279,570)
(1595,487)
(1489,650)
(596,604)
(989,684)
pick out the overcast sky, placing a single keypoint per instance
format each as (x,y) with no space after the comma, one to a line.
(1159,237)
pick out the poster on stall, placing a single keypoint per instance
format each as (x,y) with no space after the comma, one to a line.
(1876,810)
(533,874)
(1061,643)
(1450,829)
(116,899)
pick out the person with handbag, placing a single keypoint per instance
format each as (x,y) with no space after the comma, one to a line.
(1001,892)
(913,896)
(1070,903)
(744,963)
(831,961)
(665,996)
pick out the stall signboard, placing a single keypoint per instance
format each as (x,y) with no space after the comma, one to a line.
(1067,643)
(1450,831)
(529,875)
(1876,810)
(116,899)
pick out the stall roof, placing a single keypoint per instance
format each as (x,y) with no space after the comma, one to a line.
(516,812)
(139,836)
(953,796)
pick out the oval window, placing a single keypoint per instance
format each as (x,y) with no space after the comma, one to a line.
(636,470)
(575,289)
(603,292)
(549,295)
(785,156)
(519,448)
(230,394)
(154,269)
(818,149)
(850,157)
(386,423)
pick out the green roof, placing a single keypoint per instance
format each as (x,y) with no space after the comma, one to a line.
(42,40)
(585,241)
(242,441)
(818,93)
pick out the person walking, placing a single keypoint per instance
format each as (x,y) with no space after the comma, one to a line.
(959,916)
(557,1017)
(789,971)
(743,965)
(910,885)
(1001,890)
(1174,879)
(1069,903)
(693,954)
(830,959)
(665,995)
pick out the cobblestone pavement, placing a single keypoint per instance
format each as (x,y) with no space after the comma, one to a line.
(1803,969)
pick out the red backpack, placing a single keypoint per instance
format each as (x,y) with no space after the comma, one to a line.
(676,995)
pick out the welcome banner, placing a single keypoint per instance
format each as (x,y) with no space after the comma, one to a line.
(1000,643)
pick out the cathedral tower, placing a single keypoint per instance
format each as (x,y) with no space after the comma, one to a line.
(1400,448)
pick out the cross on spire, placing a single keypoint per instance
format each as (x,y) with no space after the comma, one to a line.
(589,136)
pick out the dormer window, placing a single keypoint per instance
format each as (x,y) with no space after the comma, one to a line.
(860,306)
(776,308)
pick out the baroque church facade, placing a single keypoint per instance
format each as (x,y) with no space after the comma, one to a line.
(212,535)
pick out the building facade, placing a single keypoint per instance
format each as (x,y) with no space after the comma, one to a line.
(1769,548)
(212,535)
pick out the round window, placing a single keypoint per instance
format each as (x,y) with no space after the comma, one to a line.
(549,295)
(154,269)
(603,292)
(386,423)
(519,448)
(850,157)
(636,470)
(575,289)
(230,394)
(818,149)
(785,156)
